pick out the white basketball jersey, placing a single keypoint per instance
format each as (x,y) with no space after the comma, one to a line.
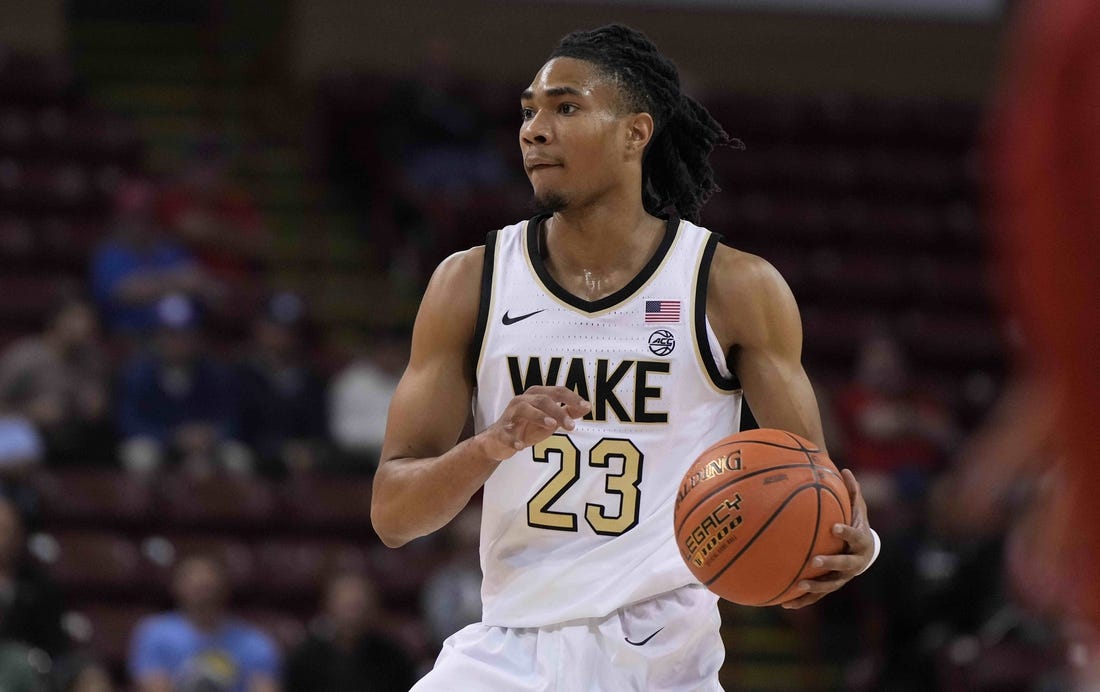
(581,524)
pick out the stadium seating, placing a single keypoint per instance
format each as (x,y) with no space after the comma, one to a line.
(320,504)
(102,498)
(292,571)
(164,551)
(105,629)
(92,563)
(229,503)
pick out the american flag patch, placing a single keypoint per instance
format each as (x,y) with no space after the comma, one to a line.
(662,311)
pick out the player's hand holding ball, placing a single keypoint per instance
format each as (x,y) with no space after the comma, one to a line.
(841,568)
(764,518)
(532,417)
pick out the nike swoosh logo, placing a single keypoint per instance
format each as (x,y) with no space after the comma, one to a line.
(512,320)
(644,641)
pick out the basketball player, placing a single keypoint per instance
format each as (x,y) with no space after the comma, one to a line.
(608,340)
(1044,167)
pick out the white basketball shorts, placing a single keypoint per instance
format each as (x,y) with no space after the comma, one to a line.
(669,643)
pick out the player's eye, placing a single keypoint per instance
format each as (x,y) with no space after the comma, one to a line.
(567,109)
(528,113)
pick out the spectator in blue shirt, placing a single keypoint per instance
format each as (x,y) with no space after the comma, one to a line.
(178,404)
(139,265)
(200,647)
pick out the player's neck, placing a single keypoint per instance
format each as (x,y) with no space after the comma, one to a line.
(594,251)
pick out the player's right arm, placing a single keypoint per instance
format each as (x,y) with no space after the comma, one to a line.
(425,478)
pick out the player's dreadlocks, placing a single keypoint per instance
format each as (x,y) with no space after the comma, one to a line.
(676,171)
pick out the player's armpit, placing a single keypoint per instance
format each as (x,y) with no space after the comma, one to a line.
(424,480)
(755,317)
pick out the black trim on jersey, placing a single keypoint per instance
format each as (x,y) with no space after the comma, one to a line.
(728,384)
(534,227)
(483,306)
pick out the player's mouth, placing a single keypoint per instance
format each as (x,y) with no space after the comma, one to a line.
(533,164)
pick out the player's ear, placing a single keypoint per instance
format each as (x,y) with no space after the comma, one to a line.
(638,132)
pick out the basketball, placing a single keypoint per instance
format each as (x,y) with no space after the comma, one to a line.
(754,509)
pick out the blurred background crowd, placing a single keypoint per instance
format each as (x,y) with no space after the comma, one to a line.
(217,218)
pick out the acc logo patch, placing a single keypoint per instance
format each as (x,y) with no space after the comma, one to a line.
(661,342)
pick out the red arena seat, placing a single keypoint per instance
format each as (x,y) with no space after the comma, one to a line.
(91,563)
(93,498)
(105,629)
(400,574)
(294,570)
(220,502)
(163,553)
(319,502)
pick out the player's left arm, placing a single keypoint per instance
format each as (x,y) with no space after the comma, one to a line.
(756,319)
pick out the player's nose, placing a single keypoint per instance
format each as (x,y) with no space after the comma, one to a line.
(536,130)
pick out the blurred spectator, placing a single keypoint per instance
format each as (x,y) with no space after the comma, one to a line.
(19,669)
(21,450)
(139,265)
(888,424)
(282,397)
(82,674)
(200,647)
(217,220)
(343,653)
(438,133)
(360,399)
(179,403)
(440,149)
(998,472)
(30,604)
(60,380)
(452,595)
(960,624)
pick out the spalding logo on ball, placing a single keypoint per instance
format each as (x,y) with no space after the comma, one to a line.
(754,509)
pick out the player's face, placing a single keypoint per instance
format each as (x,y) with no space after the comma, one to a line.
(572,134)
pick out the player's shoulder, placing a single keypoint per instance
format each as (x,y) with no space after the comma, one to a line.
(461,264)
(458,277)
(744,275)
(747,297)
(449,308)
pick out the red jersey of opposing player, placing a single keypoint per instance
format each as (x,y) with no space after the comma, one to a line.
(1046,169)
